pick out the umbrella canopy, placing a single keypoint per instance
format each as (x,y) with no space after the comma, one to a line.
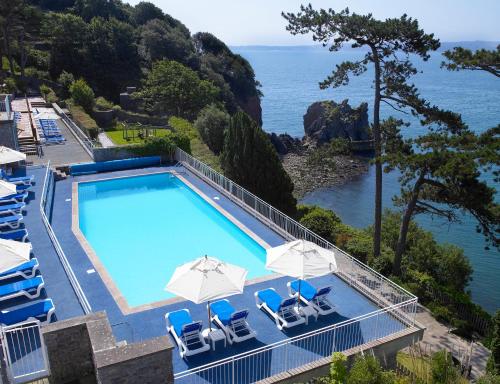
(7,188)
(46,115)
(13,253)
(8,155)
(301,259)
(207,278)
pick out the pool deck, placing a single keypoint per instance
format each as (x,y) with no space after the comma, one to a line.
(149,323)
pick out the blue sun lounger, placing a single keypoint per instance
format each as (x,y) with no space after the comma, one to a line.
(11,221)
(186,332)
(20,188)
(233,323)
(38,310)
(27,180)
(31,288)
(13,209)
(15,234)
(281,310)
(14,198)
(26,270)
(311,296)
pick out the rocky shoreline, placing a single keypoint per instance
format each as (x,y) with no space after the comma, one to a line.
(307,177)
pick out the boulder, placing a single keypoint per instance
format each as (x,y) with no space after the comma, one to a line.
(284,143)
(327,120)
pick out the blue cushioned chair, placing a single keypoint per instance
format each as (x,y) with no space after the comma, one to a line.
(233,323)
(311,296)
(186,332)
(283,311)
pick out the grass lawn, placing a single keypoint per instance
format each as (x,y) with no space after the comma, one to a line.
(117,136)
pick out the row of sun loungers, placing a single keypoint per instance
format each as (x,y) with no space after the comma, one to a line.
(286,313)
(50,132)
(20,287)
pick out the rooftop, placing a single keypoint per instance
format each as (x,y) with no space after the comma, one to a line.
(352,297)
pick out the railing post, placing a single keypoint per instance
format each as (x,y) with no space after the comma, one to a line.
(232,363)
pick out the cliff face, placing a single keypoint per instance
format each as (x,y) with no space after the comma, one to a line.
(252,107)
(326,120)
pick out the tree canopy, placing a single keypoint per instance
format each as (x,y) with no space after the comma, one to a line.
(249,158)
(175,89)
(481,60)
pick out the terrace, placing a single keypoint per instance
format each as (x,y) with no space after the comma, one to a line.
(370,310)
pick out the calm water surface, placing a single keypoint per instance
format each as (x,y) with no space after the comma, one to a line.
(290,76)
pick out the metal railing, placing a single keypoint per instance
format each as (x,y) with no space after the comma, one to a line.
(371,283)
(78,132)
(48,187)
(5,106)
(298,351)
(24,352)
(397,313)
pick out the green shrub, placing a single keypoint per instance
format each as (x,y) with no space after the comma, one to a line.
(340,146)
(183,126)
(44,90)
(36,73)
(212,122)
(493,365)
(367,370)
(443,369)
(48,94)
(489,379)
(102,104)
(9,85)
(338,368)
(162,146)
(82,95)
(65,79)
(85,121)
(319,220)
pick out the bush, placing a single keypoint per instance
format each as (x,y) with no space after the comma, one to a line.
(321,221)
(493,365)
(489,379)
(162,146)
(9,85)
(102,104)
(443,369)
(84,120)
(212,123)
(82,95)
(48,94)
(65,79)
(340,146)
(36,73)
(367,370)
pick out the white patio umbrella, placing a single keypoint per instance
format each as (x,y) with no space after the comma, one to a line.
(301,259)
(8,155)
(46,115)
(7,188)
(13,253)
(206,279)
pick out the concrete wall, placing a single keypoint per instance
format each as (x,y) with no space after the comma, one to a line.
(84,347)
(140,118)
(384,350)
(7,132)
(112,153)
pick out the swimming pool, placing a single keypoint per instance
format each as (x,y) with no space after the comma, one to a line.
(142,227)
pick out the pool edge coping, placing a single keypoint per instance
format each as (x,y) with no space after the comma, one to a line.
(105,276)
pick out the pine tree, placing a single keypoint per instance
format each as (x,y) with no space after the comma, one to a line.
(493,365)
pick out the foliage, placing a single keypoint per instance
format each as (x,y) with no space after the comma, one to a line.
(82,95)
(36,73)
(249,158)
(367,370)
(65,80)
(338,368)
(198,148)
(321,221)
(481,60)
(175,89)
(146,11)
(493,365)
(212,123)
(102,104)
(48,94)
(164,146)
(9,85)
(389,44)
(84,120)
(442,368)
(88,9)
(489,379)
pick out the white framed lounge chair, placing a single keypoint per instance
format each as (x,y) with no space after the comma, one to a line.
(311,296)
(41,311)
(186,333)
(15,198)
(20,234)
(12,209)
(233,323)
(26,270)
(26,180)
(10,221)
(31,288)
(283,311)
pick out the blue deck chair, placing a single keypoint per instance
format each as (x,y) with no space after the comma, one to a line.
(13,209)
(11,221)
(283,311)
(21,188)
(39,310)
(186,332)
(15,234)
(15,198)
(26,270)
(27,180)
(31,288)
(311,296)
(233,323)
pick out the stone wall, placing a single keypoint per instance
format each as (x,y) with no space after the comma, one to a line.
(112,153)
(160,121)
(84,347)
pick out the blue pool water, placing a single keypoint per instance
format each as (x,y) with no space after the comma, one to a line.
(143,227)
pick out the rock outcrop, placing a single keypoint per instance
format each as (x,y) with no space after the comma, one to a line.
(284,143)
(327,120)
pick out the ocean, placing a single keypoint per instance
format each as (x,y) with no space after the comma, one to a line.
(290,77)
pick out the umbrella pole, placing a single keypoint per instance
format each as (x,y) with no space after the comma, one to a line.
(298,297)
(209,320)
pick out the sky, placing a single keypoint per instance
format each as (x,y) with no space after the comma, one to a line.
(259,22)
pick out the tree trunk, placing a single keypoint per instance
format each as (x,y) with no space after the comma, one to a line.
(377,233)
(405,224)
